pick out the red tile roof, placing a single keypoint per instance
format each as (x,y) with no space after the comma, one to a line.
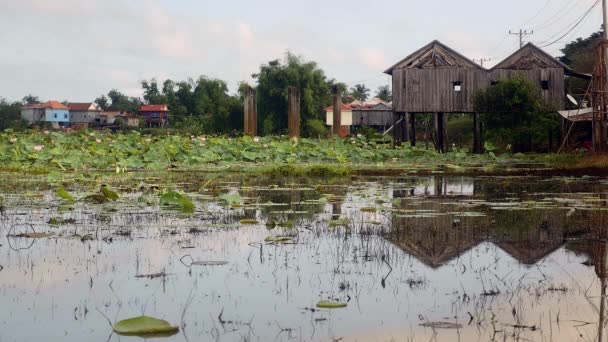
(80,106)
(153,108)
(344,107)
(54,105)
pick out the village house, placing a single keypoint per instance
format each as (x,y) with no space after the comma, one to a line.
(374,113)
(116,118)
(33,113)
(154,115)
(437,79)
(51,111)
(346,118)
(83,114)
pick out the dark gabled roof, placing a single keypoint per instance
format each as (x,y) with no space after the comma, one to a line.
(433,55)
(81,106)
(435,256)
(531,56)
(528,253)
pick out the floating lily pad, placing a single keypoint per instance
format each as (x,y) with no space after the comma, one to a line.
(177,199)
(209,263)
(34,235)
(441,325)
(63,193)
(338,223)
(329,304)
(278,239)
(97,198)
(249,221)
(144,326)
(109,194)
(368,210)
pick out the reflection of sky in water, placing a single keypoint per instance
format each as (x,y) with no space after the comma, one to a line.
(53,290)
(451,186)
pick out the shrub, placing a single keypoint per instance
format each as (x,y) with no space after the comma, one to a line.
(316,128)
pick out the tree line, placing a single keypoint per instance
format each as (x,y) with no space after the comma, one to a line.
(205,104)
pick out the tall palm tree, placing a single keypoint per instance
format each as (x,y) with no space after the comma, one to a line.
(359,92)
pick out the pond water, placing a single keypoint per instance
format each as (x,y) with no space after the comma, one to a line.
(412,257)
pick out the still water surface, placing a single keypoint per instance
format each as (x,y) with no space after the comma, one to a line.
(415,258)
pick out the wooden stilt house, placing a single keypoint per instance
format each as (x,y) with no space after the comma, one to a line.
(437,79)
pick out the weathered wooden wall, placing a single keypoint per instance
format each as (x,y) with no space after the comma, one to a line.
(251,112)
(293,112)
(366,117)
(432,90)
(555,95)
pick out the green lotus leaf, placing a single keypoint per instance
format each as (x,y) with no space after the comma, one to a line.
(144,326)
(329,304)
(63,193)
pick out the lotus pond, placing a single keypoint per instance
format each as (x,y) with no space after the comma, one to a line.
(208,256)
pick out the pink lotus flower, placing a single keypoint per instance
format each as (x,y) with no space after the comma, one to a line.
(98,140)
(256,139)
(13,140)
(46,132)
(38,148)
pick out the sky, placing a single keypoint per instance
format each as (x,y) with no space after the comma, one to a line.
(77,50)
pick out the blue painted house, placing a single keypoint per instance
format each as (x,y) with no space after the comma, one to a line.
(56,112)
(51,111)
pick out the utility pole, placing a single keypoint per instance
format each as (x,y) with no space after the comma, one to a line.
(523,33)
(600,126)
(482,60)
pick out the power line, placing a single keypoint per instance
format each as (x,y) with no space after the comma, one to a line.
(575,25)
(558,15)
(537,13)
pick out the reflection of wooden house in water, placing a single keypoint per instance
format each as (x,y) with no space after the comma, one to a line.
(433,237)
(436,233)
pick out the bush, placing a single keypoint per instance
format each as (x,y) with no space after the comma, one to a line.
(515,114)
(315,128)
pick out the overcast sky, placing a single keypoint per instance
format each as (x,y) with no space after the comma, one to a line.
(78,49)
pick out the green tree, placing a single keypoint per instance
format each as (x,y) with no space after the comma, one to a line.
(515,113)
(121,101)
(384,93)
(152,94)
(103,102)
(10,115)
(30,99)
(201,105)
(359,92)
(273,79)
(579,54)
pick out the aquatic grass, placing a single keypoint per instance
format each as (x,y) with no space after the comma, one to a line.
(272,155)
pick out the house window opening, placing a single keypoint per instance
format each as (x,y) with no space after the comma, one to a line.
(494,83)
(55,115)
(544,85)
(457,86)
